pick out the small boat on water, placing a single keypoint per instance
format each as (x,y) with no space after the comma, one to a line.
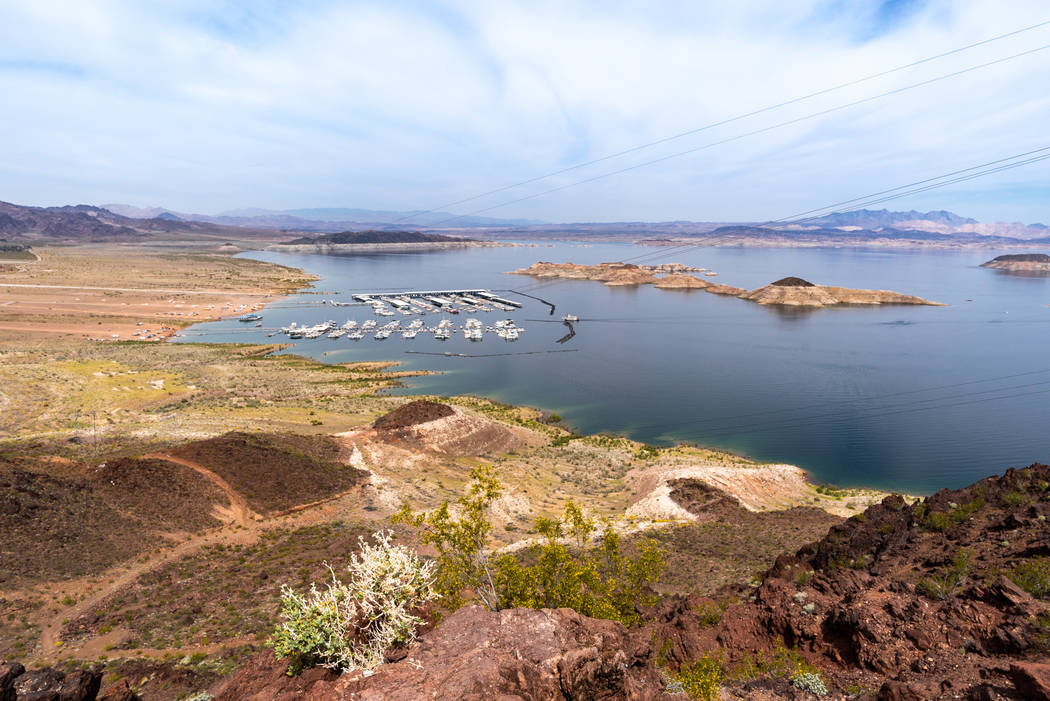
(249,317)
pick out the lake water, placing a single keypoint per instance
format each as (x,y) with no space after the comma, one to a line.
(906,398)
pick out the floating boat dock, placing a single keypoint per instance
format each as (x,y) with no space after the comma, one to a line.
(442,298)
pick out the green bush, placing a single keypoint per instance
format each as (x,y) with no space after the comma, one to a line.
(942,586)
(1034,577)
(702,678)
(561,570)
(460,541)
(351,625)
(600,581)
(1014,498)
(811,682)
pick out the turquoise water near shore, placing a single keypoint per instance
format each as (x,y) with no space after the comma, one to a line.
(905,398)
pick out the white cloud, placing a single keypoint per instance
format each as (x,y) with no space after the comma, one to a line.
(392,105)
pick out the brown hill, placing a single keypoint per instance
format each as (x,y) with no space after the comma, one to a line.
(62,520)
(89,224)
(1020,262)
(796,292)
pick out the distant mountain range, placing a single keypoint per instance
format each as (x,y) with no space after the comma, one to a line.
(115,222)
(324,219)
(90,224)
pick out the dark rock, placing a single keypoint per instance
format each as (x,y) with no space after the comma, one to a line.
(792,282)
(52,685)
(9,672)
(899,691)
(121,691)
(1032,680)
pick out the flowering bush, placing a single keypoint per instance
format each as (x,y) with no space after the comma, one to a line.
(811,682)
(350,625)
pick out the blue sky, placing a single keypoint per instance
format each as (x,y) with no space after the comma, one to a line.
(406,104)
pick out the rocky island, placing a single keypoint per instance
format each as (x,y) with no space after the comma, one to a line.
(354,242)
(788,291)
(1021,263)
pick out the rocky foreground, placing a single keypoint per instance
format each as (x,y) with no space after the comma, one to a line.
(789,291)
(939,599)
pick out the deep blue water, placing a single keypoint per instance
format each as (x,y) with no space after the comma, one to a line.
(907,398)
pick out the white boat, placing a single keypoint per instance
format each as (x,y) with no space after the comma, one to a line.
(338,333)
(409,333)
(356,335)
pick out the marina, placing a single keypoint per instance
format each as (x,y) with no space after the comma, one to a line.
(413,303)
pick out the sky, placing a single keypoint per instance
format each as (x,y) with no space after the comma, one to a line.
(211,105)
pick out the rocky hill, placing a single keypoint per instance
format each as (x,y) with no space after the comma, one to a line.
(373,236)
(1021,263)
(90,224)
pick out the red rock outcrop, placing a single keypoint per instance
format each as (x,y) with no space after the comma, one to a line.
(478,655)
(915,600)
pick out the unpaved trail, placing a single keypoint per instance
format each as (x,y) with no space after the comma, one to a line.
(242,514)
(241,533)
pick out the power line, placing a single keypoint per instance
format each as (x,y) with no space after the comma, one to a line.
(924,185)
(723,122)
(779,125)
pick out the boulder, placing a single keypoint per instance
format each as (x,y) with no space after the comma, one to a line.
(52,685)
(477,655)
(1032,679)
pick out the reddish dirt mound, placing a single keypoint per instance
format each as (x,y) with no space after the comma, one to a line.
(729,544)
(70,521)
(792,282)
(918,600)
(418,412)
(274,472)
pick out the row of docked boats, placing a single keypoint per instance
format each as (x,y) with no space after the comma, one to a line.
(472,330)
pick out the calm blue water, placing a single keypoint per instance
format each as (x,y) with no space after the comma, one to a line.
(907,398)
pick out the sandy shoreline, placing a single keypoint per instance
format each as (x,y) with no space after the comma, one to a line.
(71,292)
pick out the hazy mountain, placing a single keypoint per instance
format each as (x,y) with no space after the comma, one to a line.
(88,223)
(876,218)
(379,216)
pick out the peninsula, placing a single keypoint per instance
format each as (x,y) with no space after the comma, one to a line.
(788,291)
(1021,263)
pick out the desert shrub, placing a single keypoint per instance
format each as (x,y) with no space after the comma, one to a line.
(1034,577)
(942,586)
(709,614)
(350,625)
(701,679)
(831,490)
(600,581)
(1014,498)
(943,520)
(460,540)
(811,682)
(562,570)
(781,663)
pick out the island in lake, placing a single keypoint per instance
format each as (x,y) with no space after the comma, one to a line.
(353,242)
(788,291)
(1021,263)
